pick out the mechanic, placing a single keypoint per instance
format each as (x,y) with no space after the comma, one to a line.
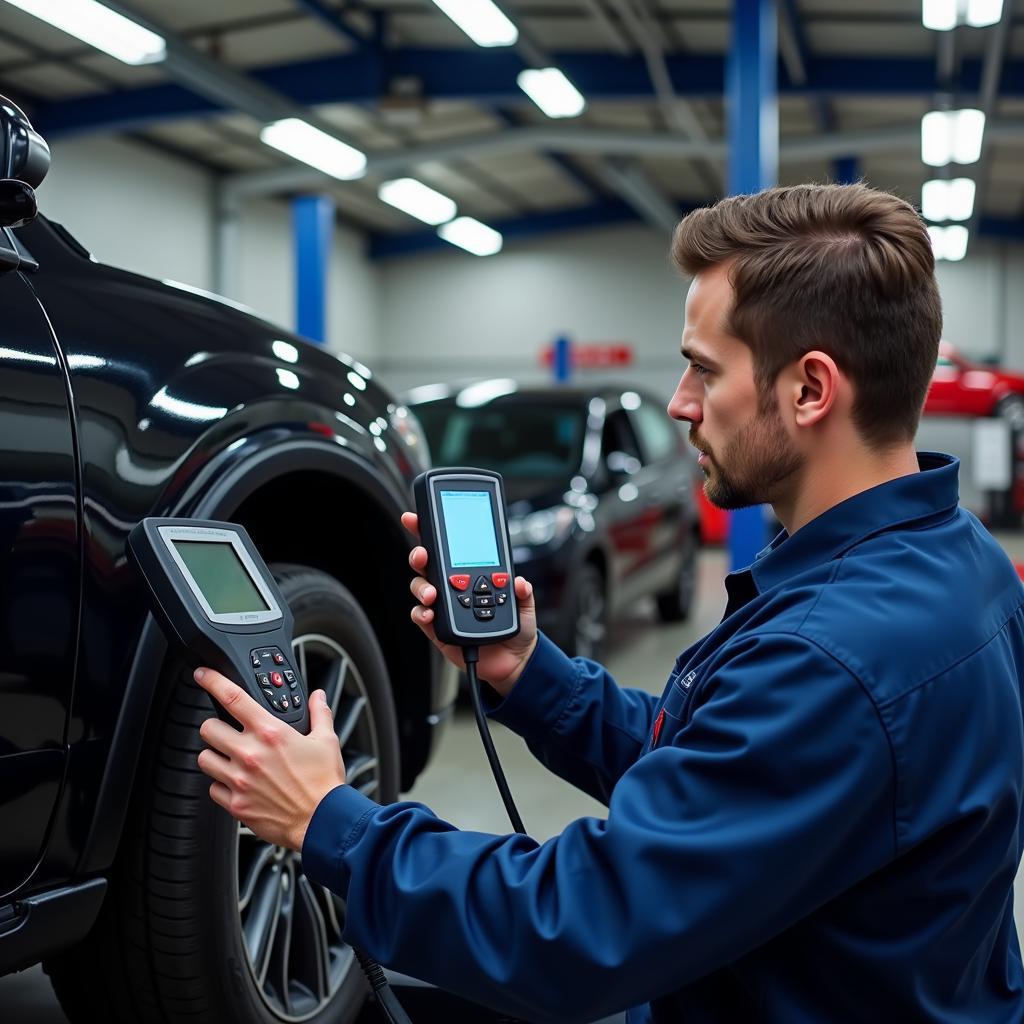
(820,819)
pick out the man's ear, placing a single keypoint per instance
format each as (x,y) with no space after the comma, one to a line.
(816,384)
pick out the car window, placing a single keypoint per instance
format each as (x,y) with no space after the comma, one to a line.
(659,435)
(619,436)
(512,439)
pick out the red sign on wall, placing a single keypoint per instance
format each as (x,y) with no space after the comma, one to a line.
(593,355)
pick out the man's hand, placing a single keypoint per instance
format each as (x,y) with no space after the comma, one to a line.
(501,664)
(269,776)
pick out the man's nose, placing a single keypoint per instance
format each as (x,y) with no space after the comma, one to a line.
(684,404)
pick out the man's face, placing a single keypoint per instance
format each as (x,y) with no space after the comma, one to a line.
(747,455)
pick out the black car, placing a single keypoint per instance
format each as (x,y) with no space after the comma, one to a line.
(121,398)
(600,485)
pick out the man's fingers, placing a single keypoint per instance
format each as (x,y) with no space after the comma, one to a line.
(423,591)
(220,736)
(231,697)
(217,767)
(418,559)
(220,794)
(411,522)
(524,588)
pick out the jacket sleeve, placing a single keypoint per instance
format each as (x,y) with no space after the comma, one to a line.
(576,720)
(784,763)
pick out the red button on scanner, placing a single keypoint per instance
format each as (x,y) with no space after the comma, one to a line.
(277,679)
(459,582)
(499,579)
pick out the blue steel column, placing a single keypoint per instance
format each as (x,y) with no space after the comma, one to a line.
(313,230)
(561,360)
(847,170)
(752,102)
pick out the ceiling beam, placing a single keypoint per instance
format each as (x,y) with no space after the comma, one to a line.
(598,215)
(478,75)
(602,141)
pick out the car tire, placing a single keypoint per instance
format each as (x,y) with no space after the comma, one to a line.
(585,633)
(675,605)
(195,899)
(1011,409)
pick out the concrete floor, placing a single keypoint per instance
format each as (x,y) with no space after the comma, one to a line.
(458,785)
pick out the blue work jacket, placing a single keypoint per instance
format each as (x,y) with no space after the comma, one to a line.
(818,821)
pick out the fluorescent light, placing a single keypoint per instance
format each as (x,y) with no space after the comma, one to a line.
(948,200)
(314,147)
(983,12)
(949,243)
(471,235)
(99,26)
(481,21)
(552,92)
(417,200)
(952,135)
(968,134)
(939,15)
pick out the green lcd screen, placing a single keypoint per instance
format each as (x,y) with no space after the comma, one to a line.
(220,575)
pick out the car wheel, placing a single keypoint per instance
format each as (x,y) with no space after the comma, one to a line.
(205,922)
(674,605)
(1011,408)
(587,625)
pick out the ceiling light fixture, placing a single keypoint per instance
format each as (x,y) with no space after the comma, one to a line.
(417,200)
(481,21)
(302,141)
(939,15)
(983,12)
(945,15)
(952,135)
(552,92)
(948,200)
(471,235)
(99,26)
(949,243)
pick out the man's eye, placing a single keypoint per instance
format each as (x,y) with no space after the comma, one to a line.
(698,369)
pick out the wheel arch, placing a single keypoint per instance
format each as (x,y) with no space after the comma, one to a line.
(243,493)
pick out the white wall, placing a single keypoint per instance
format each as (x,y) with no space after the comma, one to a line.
(135,208)
(445,314)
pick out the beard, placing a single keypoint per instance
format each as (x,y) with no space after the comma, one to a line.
(754,464)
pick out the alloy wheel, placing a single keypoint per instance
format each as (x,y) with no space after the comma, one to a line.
(291,927)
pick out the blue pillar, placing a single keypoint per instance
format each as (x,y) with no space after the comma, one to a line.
(753,111)
(561,360)
(312,228)
(846,170)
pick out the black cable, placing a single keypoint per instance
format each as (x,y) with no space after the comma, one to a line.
(472,656)
(386,999)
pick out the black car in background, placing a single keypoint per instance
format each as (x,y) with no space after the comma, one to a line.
(600,485)
(120,398)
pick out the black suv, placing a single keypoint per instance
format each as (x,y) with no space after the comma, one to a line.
(121,398)
(601,490)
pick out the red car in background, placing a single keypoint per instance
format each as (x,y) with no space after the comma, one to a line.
(964,388)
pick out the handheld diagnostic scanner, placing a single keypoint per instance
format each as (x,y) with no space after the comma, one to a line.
(462,525)
(217,601)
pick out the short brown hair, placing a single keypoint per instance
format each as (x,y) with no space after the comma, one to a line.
(845,269)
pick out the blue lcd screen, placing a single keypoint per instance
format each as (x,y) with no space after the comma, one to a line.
(469,525)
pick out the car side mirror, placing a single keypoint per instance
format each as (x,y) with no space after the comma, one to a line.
(24,161)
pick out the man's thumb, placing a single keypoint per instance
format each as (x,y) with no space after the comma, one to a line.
(320,712)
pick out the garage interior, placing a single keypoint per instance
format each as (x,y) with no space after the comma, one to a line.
(169,167)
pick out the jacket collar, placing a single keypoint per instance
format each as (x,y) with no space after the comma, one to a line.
(917,496)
